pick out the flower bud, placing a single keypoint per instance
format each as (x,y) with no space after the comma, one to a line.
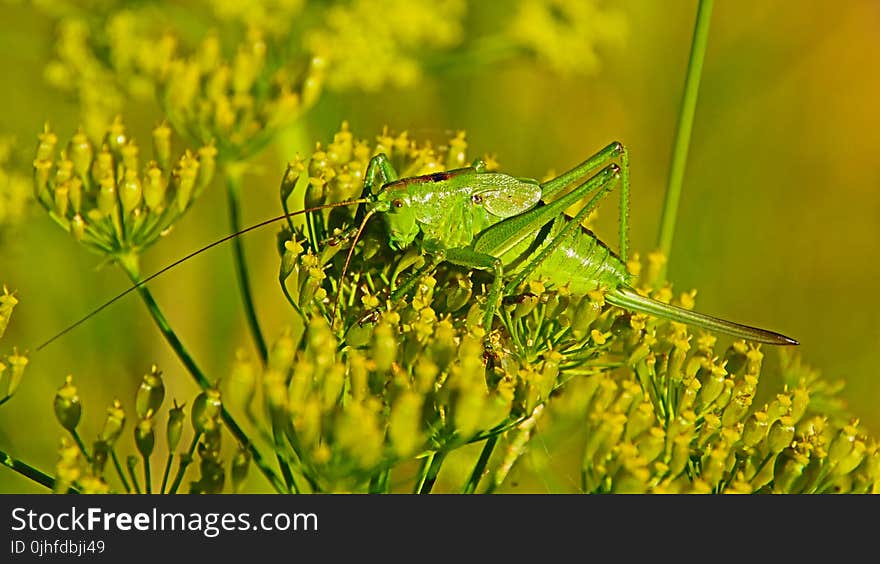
(162,145)
(292,251)
(75,194)
(404,423)
(80,153)
(150,393)
(77,227)
(383,348)
(17,363)
(155,188)
(67,406)
(175,426)
(241,384)
(107,196)
(185,180)
(206,411)
(207,167)
(129,154)
(780,435)
(587,311)
(130,191)
(115,137)
(525,304)
(842,444)
(113,424)
(47,143)
(145,435)
(755,429)
(240,464)
(61,199)
(283,352)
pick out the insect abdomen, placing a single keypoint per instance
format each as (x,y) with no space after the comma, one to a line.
(581,260)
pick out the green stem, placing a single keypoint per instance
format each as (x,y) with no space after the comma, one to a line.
(685,127)
(185,461)
(119,471)
(471,485)
(200,378)
(148,480)
(380,482)
(30,472)
(167,471)
(286,473)
(233,193)
(131,462)
(80,444)
(429,471)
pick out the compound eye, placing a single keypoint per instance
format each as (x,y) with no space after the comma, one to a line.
(477,199)
(397,203)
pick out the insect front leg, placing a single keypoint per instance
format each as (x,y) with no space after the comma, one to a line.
(379,172)
(613,152)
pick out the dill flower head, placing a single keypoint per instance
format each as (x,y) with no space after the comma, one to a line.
(108,197)
(370,44)
(239,103)
(567,34)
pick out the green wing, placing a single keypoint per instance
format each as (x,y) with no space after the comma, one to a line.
(505,196)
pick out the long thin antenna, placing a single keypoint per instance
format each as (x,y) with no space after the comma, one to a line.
(345,265)
(189,256)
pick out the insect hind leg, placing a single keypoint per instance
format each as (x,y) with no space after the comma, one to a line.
(613,152)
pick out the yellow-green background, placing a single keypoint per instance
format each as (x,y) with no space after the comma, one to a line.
(779,224)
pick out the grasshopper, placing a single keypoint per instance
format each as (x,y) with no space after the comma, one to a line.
(513,228)
(516,229)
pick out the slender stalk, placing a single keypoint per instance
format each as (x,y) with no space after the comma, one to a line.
(30,472)
(119,471)
(233,193)
(380,482)
(685,127)
(79,443)
(480,467)
(185,461)
(429,471)
(148,480)
(200,378)
(131,462)
(165,474)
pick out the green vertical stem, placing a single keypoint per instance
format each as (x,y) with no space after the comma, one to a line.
(30,472)
(183,462)
(148,479)
(233,193)
(429,471)
(196,372)
(685,127)
(119,471)
(168,462)
(480,467)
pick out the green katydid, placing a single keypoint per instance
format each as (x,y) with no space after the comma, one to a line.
(511,227)
(516,230)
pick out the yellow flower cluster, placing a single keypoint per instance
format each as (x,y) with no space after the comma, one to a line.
(373,43)
(566,34)
(238,103)
(103,64)
(108,198)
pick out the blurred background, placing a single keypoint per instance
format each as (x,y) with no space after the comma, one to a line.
(780,217)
